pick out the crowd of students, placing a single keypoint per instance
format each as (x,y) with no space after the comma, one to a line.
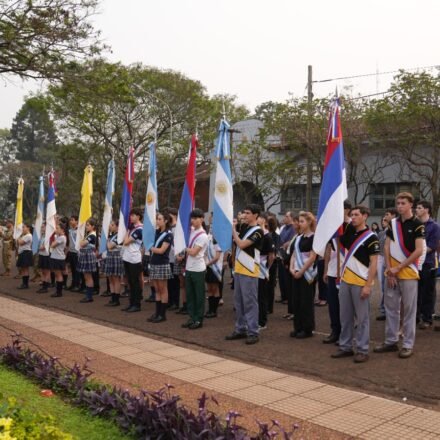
(401,254)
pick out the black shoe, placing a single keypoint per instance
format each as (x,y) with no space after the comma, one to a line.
(105,294)
(195,325)
(187,323)
(113,303)
(234,336)
(386,348)
(330,339)
(42,290)
(133,309)
(381,318)
(56,295)
(152,317)
(86,300)
(342,354)
(125,309)
(304,335)
(159,318)
(22,287)
(210,315)
(173,307)
(252,339)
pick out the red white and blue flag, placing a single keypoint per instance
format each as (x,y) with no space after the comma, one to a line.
(126,201)
(333,186)
(183,227)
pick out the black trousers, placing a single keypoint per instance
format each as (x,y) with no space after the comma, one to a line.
(283,275)
(262,301)
(173,288)
(133,272)
(333,306)
(271,286)
(322,287)
(72,259)
(303,305)
(426,295)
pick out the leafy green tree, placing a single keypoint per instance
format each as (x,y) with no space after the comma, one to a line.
(44,38)
(407,123)
(33,133)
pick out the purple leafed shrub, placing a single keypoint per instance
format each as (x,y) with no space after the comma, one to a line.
(150,415)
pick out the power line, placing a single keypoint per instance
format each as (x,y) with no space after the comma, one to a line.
(375,74)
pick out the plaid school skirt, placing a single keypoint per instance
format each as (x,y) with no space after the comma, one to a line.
(178,267)
(160,272)
(113,264)
(87,262)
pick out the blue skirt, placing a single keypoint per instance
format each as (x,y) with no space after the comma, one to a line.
(25,259)
(87,262)
(113,264)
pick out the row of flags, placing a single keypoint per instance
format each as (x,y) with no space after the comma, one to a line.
(330,210)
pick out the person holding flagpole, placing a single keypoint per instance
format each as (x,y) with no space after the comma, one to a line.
(24,260)
(358,272)
(87,262)
(132,258)
(160,269)
(114,266)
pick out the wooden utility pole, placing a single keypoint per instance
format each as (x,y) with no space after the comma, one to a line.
(309,143)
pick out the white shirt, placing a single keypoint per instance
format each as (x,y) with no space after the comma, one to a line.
(132,252)
(27,243)
(197,262)
(57,252)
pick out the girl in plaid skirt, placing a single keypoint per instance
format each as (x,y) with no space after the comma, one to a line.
(114,266)
(160,270)
(58,257)
(87,262)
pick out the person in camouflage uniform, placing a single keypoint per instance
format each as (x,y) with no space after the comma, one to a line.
(8,243)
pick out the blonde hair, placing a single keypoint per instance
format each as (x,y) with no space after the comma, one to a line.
(310,219)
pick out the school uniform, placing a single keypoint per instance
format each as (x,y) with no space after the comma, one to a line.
(58,260)
(174,281)
(354,310)
(114,266)
(132,258)
(43,255)
(72,259)
(195,271)
(303,289)
(267,248)
(160,268)
(87,261)
(25,258)
(214,274)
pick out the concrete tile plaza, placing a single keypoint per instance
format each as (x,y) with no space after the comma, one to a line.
(350,412)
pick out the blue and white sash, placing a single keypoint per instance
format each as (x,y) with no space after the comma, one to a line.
(218,265)
(160,239)
(311,272)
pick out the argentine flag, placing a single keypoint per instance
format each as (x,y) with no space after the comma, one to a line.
(151,204)
(223,197)
(334,185)
(39,219)
(51,211)
(108,207)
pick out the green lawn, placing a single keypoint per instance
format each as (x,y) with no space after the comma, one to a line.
(69,419)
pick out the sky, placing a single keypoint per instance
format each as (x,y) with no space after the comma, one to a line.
(259,50)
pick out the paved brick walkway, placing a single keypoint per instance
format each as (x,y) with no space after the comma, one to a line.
(353,413)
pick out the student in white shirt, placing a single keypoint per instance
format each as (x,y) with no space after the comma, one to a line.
(25,259)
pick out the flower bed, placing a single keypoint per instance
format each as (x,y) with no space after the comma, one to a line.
(149,415)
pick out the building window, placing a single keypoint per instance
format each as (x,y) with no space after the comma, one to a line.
(294,198)
(383,195)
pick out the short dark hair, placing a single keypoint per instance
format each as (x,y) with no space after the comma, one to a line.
(253,207)
(197,213)
(172,211)
(138,212)
(362,209)
(272,223)
(347,204)
(427,205)
(74,217)
(392,211)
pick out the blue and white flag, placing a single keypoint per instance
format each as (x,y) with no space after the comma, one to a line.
(36,236)
(223,213)
(126,202)
(108,207)
(151,203)
(51,211)
(333,186)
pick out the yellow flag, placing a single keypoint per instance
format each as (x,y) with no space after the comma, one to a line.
(85,211)
(18,225)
